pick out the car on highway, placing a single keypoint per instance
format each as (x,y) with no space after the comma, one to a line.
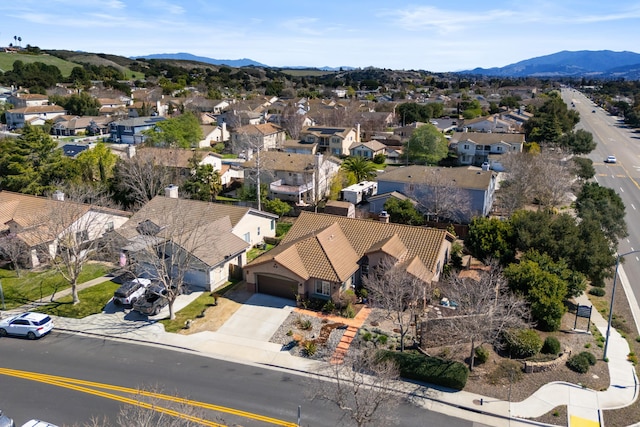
(129,292)
(610,159)
(31,325)
(154,300)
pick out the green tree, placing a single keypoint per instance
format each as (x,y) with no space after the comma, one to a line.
(183,131)
(491,238)
(80,104)
(403,212)
(361,168)
(427,145)
(603,205)
(204,183)
(277,206)
(583,168)
(32,164)
(96,164)
(578,142)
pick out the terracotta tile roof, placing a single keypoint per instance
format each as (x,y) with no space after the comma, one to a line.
(38,109)
(465,178)
(171,157)
(328,246)
(488,138)
(262,129)
(282,161)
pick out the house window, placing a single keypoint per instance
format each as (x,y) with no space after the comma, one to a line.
(82,236)
(498,149)
(466,146)
(109,226)
(258,231)
(335,140)
(323,287)
(247,237)
(273,224)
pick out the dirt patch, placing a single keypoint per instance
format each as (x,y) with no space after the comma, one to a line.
(215,316)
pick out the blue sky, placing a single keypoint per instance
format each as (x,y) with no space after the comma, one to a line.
(427,35)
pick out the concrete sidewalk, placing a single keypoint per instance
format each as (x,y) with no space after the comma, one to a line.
(230,343)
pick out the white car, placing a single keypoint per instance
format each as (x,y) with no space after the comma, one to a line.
(30,325)
(610,159)
(38,423)
(129,292)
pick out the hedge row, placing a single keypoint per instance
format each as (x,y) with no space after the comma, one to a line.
(416,366)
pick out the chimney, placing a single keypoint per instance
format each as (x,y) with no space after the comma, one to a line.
(357,132)
(224,131)
(171,191)
(58,195)
(384,217)
(131,151)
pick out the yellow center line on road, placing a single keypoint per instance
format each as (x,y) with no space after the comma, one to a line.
(82,386)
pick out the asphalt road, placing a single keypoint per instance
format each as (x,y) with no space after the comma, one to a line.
(614,138)
(260,392)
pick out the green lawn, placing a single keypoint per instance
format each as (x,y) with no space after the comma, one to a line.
(32,286)
(7,60)
(92,301)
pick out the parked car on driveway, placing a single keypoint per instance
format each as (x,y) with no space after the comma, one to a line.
(129,292)
(30,325)
(154,300)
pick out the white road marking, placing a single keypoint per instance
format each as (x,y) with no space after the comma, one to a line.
(634,208)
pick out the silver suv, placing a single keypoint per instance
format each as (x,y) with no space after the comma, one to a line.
(130,291)
(6,421)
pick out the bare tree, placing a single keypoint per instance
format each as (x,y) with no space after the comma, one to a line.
(440,198)
(292,120)
(485,308)
(70,232)
(14,250)
(359,387)
(392,288)
(169,246)
(142,178)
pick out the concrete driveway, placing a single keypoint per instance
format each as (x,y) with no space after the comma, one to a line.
(258,318)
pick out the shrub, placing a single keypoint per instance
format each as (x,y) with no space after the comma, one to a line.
(367,336)
(382,339)
(482,355)
(599,292)
(578,363)
(304,324)
(349,311)
(328,307)
(416,366)
(633,358)
(309,348)
(589,356)
(523,343)
(379,159)
(551,346)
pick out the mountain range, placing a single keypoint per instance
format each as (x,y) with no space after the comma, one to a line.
(583,63)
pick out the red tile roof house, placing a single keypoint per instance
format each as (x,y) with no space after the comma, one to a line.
(324,255)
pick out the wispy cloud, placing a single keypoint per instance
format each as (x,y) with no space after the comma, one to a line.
(303,25)
(442,20)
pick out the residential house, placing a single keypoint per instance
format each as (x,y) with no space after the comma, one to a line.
(473,189)
(35,116)
(22,100)
(114,107)
(76,125)
(129,131)
(215,236)
(322,256)
(332,139)
(368,149)
(250,138)
(299,178)
(213,135)
(493,124)
(180,160)
(300,147)
(475,148)
(39,223)
(377,202)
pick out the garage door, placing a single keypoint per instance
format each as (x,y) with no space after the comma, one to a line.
(277,286)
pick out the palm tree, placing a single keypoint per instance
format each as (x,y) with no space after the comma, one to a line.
(19,41)
(361,168)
